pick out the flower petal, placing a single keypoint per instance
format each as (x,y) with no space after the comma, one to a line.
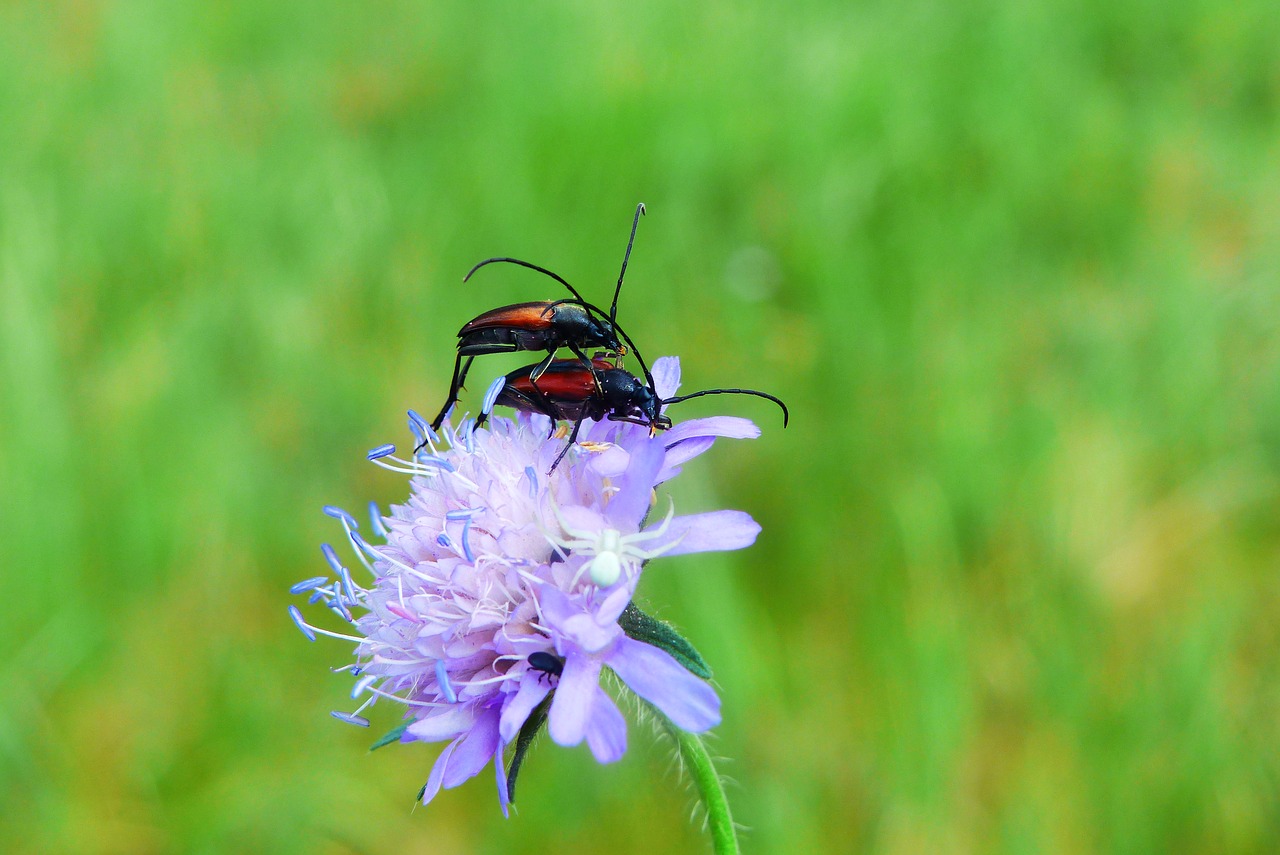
(657,677)
(445,723)
(666,376)
(579,627)
(611,462)
(714,531)
(474,750)
(504,798)
(729,427)
(437,773)
(614,604)
(575,696)
(533,688)
(577,518)
(681,454)
(606,729)
(635,488)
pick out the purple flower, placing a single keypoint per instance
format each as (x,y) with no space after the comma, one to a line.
(490,561)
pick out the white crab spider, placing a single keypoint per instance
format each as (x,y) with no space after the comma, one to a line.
(610,549)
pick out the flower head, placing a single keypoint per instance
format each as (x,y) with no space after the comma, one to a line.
(498,585)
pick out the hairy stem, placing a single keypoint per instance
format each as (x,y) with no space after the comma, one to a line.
(693,751)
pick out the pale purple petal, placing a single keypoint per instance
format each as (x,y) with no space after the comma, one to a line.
(574,698)
(611,462)
(474,750)
(575,625)
(504,798)
(681,454)
(629,504)
(437,773)
(667,473)
(666,376)
(556,605)
(614,604)
(688,439)
(578,518)
(531,692)
(729,427)
(714,531)
(657,677)
(606,729)
(443,723)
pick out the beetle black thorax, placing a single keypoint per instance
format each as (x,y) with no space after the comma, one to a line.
(574,323)
(622,393)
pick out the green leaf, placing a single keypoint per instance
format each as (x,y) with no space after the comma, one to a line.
(524,741)
(638,625)
(392,736)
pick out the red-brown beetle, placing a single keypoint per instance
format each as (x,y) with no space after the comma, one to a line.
(567,390)
(543,325)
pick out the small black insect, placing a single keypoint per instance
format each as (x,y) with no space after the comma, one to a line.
(543,325)
(546,662)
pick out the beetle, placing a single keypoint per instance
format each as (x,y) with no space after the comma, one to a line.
(541,325)
(548,663)
(567,390)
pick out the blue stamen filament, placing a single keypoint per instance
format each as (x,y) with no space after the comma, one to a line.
(310,631)
(442,678)
(341,515)
(308,584)
(362,684)
(375,520)
(347,585)
(350,718)
(491,395)
(466,541)
(301,623)
(330,556)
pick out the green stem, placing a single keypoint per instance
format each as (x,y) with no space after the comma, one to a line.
(698,761)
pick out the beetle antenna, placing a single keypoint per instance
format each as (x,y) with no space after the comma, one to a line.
(786,416)
(531,266)
(643,367)
(613,310)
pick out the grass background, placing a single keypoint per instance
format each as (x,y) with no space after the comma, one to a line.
(1013,266)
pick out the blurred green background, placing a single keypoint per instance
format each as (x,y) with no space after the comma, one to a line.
(1013,266)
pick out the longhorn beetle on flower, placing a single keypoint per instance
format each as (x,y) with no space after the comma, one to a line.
(543,325)
(567,390)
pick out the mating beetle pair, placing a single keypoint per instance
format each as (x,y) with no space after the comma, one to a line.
(543,325)
(569,389)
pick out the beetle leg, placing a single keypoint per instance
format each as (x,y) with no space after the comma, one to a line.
(635,420)
(573,437)
(595,378)
(541,367)
(462,378)
(459,377)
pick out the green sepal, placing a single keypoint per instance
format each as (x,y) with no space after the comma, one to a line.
(392,736)
(638,625)
(524,741)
